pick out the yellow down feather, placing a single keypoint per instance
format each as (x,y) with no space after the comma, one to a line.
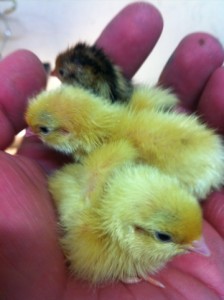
(74,121)
(122,220)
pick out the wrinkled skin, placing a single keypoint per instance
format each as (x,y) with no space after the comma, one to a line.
(32,264)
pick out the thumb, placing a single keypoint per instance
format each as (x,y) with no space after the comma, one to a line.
(21,76)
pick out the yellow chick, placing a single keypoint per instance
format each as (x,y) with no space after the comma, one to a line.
(122,220)
(98,166)
(89,67)
(74,121)
(151,98)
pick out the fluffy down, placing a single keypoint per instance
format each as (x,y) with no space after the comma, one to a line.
(75,121)
(151,98)
(122,220)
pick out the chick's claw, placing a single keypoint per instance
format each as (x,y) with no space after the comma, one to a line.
(132,280)
(149,279)
(154,282)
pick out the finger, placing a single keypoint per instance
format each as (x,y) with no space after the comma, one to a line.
(194,265)
(131,35)
(213,209)
(32,264)
(137,24)
(211,104)
(196,57)
(21,76)
(49,159)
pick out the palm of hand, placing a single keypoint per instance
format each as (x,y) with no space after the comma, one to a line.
(32,265)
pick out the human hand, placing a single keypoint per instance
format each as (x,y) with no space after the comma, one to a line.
(32,264)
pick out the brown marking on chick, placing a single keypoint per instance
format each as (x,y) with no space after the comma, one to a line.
(89,67)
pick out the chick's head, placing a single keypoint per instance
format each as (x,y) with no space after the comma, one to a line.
(150,216)
(140,220)
(82,65)
(70,67)
(69,119)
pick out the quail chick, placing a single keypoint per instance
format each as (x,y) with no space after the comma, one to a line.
(89,67)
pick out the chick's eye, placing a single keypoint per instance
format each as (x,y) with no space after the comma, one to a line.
(61,72)
(44,130)
(163,237)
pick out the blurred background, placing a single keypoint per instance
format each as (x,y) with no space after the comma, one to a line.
(47,27)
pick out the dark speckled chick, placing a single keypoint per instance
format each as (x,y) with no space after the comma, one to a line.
(89,67)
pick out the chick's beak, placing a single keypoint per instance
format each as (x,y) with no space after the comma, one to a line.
(199,246)
(54,73)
